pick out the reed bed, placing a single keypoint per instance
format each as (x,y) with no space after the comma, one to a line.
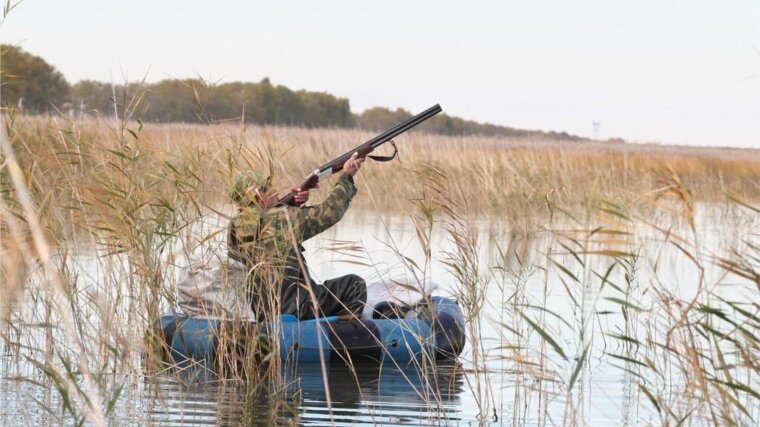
(586,220)
(498,176)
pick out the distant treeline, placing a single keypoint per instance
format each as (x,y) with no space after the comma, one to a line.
(34,86)
(193,100)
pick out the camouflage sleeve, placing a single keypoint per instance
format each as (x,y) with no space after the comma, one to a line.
(313,220)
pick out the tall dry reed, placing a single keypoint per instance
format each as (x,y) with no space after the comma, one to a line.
(131,196)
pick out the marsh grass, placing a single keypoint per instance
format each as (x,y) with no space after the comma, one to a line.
(498,176)
(587,221)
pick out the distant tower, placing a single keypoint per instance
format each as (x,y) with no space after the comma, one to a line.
(595,126)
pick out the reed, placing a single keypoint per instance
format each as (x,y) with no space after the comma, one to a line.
(586,220)
(498,176)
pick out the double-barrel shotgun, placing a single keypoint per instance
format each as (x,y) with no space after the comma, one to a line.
(363,150)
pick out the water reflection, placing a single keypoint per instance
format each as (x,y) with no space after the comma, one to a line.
(368,394)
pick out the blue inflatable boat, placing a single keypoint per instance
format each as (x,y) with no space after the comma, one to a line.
(437,332)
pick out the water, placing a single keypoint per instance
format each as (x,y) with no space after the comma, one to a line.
(509,379)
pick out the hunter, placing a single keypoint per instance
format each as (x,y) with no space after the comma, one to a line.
(267,239)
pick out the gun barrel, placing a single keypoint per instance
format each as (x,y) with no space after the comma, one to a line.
(405,126)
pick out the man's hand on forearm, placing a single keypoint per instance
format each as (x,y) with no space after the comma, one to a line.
(353,164)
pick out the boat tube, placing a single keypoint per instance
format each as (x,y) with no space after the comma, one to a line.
(433,330)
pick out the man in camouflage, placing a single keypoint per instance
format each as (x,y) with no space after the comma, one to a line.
(267,239)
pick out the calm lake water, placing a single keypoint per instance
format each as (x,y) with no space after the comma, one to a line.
(508,379)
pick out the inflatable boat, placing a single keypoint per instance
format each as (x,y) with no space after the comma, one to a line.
(433,330)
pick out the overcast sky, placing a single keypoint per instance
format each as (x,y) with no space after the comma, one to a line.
(683,72)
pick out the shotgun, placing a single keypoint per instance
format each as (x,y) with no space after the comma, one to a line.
(336,165)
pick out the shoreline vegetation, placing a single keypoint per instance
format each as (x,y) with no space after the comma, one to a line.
(135,189)
(512,178)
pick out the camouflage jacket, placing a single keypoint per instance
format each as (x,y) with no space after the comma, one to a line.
(268,241)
